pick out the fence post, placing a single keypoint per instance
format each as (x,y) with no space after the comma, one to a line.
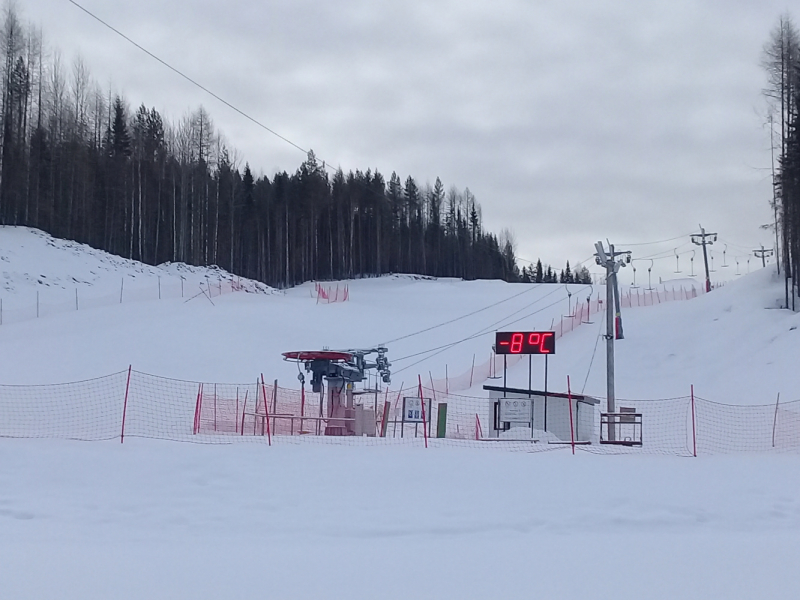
(121,288)
(125,406)
(244,408)
(198,407)
(266,408)
(424,419)
(694,428)
(386,407)
(303,404)
(571,425)
(775,419)
(76,298)
(472,371)
(37,304)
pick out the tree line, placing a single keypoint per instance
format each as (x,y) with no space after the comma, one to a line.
(77,162)
(782,63)
(542,274)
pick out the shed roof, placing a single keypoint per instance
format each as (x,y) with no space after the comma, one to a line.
(508,390)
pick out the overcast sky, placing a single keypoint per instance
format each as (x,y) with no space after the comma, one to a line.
(571,121)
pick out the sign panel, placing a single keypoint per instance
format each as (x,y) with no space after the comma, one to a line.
(525,342)
(412,410)
(515,410)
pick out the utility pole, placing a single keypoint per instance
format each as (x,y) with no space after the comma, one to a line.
(612,264)
(763,254)
(699,239)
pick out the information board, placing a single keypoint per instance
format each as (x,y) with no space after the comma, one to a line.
(515,410)
(412,410)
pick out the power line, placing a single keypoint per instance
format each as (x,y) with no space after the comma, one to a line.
(187,78)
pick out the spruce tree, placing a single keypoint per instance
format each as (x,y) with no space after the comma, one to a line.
(539,275)
(120,137)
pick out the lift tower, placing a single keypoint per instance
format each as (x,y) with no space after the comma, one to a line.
(612,264)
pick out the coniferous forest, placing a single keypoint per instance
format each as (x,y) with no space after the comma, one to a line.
(79,163)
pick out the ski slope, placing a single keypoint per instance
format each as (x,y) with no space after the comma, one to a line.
(158,519)
(731,345)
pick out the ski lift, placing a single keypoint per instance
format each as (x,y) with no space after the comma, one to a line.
(341,369)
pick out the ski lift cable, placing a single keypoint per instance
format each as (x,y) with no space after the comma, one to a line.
(739,246)
(665,254)
(484,330)
(659,241)
(475,312)
(594,352)
(441,349)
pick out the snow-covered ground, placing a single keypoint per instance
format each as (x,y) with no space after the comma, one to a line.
(155,519)
(152,519)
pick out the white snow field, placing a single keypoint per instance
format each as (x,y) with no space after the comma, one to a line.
(160,519)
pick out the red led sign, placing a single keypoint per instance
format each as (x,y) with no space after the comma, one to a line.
(525,342)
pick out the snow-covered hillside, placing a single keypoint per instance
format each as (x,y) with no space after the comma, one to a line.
(156,519)
(731,344)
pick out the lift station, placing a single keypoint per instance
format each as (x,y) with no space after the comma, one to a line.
(341,370)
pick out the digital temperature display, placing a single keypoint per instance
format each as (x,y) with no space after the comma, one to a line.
(525,342)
